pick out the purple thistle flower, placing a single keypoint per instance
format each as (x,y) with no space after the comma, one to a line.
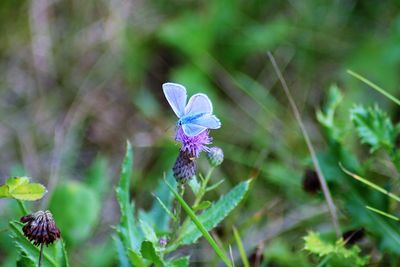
(193,145)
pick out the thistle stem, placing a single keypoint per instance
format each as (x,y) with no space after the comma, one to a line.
(40,255)
(178,209)
(198,199)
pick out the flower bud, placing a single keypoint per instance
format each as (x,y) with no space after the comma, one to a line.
(215,156)
(184,167)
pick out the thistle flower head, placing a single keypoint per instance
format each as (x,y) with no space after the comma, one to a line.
(193,145)
(215,156)
(184,167)
(40,228)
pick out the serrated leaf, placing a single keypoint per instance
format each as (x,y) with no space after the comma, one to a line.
(53,255)
(128,231)
(180,262)
(373,127)
(337,252)
(149,252)
(215,214)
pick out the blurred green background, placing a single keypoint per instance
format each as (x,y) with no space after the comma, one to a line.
(78,78)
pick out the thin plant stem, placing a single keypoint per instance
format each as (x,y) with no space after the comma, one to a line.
(40,255)
(199,197)
(324,185)
(22,207)
(178,210)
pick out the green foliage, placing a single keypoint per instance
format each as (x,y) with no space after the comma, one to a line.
(215,214)
(21,189)
(129,234)
(326,116)
(201,229)
(76,209)
(336,254)
(374,127)
(53,255)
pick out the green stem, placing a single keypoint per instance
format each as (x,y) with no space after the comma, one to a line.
(22,207)
(178,209)
(198,199)
(40,255)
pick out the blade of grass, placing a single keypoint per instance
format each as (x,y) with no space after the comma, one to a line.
(370,184)
(321,178)
(374,86)
(383,213)
(242,252)
(200,226)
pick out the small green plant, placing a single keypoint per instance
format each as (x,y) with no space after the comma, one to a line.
(39,227)
(153,236)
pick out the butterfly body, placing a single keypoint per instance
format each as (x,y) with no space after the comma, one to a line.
(190,118)
(195,116)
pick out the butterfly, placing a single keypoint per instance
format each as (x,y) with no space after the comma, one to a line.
(195,116)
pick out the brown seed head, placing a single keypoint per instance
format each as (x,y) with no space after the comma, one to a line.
(40,228)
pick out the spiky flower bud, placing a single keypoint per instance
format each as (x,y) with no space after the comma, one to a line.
(215,156)
(184,167)
(40,228)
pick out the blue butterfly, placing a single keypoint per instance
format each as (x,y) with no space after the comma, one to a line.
(196,116)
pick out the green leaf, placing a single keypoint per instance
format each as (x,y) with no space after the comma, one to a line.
(215,214)
(135,258)
(53,255)
(242,252)
(4,191)
(214,186)
(158,212)
(201,228)
(76,209)
(20,188)
(148,232)
(326,116)
(203,205)
(374,86)
(194,185)
(149,252)
(180,262)
(373,127)
(128,231)
(337,252)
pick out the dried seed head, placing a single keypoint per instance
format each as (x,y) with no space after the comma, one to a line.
(184,167)
(215,156)
(40,228)
(353,236)
(311,182)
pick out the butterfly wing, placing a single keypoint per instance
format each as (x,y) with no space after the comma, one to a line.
(199,103)
(191,129)
(176,97)
(208,121)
